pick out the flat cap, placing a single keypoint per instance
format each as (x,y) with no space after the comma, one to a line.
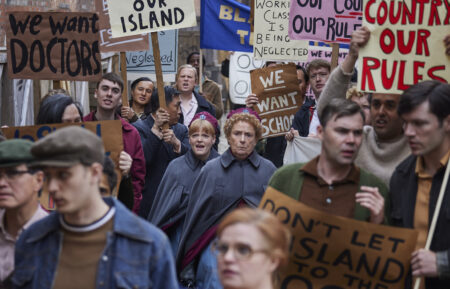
(67,147)
(15,152)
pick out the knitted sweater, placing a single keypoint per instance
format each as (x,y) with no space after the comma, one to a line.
(376,156)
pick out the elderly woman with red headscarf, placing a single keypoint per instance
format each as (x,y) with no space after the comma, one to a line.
(236,179)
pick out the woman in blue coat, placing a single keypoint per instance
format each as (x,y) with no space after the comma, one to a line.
(237,178)
(171,200)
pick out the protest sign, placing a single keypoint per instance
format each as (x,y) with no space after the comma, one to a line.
(406,45)
(225,25)
(328,251)
(110,131)
(53,45)
(140,16)
(144,61)
(109,44)
(279,97)
(241,63)
(271,39)
(330,21)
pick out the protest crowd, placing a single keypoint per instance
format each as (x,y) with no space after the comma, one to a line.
(330,172)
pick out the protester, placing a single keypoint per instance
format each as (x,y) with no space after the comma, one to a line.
(103,241)
(160,145)
(108,95)
(417,181)
(331,182)
(59,108)
(362,99)
(210,89)
(141,92)
(172,197)
(191,101)
(252,245)
(384,146)
(237,178)
(19,206)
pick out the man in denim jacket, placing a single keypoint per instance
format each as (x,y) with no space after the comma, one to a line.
(89,242)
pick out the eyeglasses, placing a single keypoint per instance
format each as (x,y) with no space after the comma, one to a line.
(241,251)
(321,75)
(10,174)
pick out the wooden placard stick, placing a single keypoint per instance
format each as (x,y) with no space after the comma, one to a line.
(123,71)
(159,75)
(200,73)
(435,216)
(334,55)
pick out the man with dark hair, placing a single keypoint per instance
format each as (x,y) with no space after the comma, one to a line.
(331,182)
(109,97)
(161,145)
(417,181)
(210,89)
(89,242)
(19,205)
(384,146)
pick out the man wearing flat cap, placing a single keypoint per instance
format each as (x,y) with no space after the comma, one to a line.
(89,242)
(19,207)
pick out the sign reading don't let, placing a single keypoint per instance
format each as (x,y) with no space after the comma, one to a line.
(140,16)
(279,97)
(53,45)
(335,252)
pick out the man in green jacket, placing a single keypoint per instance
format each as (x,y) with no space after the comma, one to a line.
(331,182)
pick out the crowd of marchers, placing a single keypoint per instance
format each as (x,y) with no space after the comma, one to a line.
(185,216)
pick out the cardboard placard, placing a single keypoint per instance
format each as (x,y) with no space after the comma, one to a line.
(271,39)
(241,63)
(54,45)
(110,131)
(141,16)
(279,97)
(109,44)
(328,251)
(144,61)
(329,21)
(406,45)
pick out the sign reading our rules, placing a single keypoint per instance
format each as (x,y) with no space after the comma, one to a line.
(134,17)
(53,45)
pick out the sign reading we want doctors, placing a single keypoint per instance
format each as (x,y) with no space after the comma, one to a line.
(406,44)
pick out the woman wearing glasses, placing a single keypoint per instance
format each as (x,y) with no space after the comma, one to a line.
(252,246)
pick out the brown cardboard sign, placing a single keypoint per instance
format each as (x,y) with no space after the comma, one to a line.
(53,45)
(110,131)
(328,251)
(279,97)
(109,44)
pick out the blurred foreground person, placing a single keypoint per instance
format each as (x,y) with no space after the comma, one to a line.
(235,179)
(171,201)
(89,242)
(251,247)
(19,206)
(416,182)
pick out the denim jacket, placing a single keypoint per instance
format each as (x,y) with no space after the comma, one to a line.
(136,255)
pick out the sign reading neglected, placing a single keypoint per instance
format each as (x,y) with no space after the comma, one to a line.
(53,45)
(406,45)
(329,21)
(140,16)
(340,253)
(109,44)
(279,97)
(271,39)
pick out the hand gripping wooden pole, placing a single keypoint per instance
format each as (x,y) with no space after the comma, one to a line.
(159,75)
